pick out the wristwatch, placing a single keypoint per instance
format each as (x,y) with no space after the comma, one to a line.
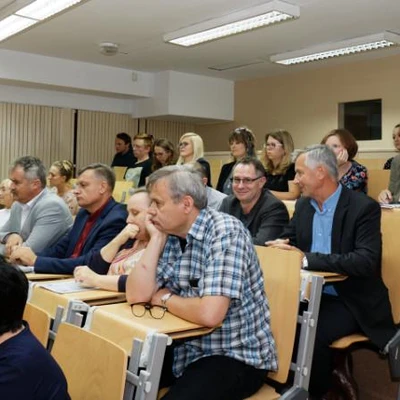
(304,263)
(164,298)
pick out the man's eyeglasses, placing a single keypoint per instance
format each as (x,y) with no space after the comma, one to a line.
(245,181)
(156,312)
(183,144)
(272,145)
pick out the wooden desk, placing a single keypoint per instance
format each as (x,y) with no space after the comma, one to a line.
(306,277)
(117,323)
(48,300)
(33,276)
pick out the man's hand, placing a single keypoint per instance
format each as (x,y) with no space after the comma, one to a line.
(156,299)
(282,244)
(385,197)
(23,256)
(84,275)
(13,241)
(151,228)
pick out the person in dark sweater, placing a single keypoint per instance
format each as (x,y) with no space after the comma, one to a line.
(27,370)
(242,144)
(124,153)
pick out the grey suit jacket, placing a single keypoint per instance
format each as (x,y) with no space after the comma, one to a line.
(48,220)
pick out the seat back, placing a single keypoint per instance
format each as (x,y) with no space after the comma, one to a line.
(390,224)
(378,180)
(39,322)
(119,173)
(121,191)
(95,368)
(281,269)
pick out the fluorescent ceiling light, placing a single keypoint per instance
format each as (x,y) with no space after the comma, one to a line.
(343,48)
(42,9)
(251,18)
(33,13)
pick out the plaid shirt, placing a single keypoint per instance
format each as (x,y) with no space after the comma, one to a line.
(220,260)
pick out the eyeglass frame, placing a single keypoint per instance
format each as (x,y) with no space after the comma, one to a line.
(148,307)
(272,145)
(244,181)
(183,144)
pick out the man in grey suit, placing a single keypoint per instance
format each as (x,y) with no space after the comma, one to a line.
(260,211)
(38,218)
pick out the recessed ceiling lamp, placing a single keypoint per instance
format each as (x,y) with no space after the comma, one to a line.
(344,48)
(241,21)
(33,13)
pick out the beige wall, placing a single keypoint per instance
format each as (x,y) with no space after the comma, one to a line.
(306,103)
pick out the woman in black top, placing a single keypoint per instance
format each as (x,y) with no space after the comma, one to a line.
(278,148)
(242,144)
(396,142)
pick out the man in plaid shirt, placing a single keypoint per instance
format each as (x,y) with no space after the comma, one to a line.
(204,268)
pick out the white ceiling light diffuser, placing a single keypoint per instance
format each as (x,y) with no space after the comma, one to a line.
(31,14)
(344,48)
(242,21)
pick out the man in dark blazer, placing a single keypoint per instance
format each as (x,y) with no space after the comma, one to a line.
(259,210)
(338,230)
(98,221)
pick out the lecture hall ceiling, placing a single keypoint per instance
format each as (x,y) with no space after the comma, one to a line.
(139,25)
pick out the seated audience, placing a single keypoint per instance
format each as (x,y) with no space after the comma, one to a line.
(38,218)
(98,221)
(392,194)
(252,203)
(27,370)
(242,143)
(142,144)
(338,230)
(278,148)
(207,272)
(120,262)
(6,200)
(352,175)
(60,174)
(124,153)
(214,197)
(163,154)
(191,149)
(396,142)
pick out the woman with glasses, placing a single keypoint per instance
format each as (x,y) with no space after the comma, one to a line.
(191,150)
(352,175)
(278,149)
(163,154)
(59,177)
(120,262)
(396,142)
(242,143)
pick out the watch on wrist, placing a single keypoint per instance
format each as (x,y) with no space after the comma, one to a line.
(304,263)
(164,298)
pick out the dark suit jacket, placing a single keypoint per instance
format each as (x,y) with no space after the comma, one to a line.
(56,259)
(266,219)
(356,249)
(224,174)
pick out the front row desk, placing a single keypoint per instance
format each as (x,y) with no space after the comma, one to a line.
(145,338)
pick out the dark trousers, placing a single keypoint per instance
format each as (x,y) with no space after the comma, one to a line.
(211,378)
(335,321)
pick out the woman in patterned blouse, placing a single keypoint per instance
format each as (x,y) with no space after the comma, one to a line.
(352,175)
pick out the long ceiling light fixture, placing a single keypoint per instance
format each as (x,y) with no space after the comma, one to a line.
(344,48)
(241,21)
(31,14)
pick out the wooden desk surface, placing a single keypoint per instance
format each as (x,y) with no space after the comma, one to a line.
(48,300)
(33,276)
(117,323)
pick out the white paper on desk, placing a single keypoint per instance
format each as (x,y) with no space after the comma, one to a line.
(65,287)
(385,205)
(26,269)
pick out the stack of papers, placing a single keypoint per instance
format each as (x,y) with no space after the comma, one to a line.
(384,205)
(65,287)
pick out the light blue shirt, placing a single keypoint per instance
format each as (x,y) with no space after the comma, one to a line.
(322,228)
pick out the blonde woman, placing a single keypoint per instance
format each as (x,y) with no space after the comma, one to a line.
(278,148)
(60,174)
(191,150)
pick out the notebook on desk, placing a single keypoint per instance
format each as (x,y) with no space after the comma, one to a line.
(64,287)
